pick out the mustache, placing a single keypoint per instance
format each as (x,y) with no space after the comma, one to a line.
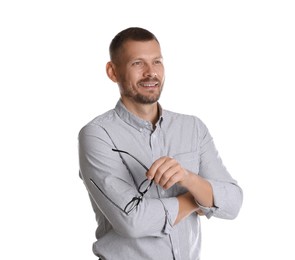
(149,79)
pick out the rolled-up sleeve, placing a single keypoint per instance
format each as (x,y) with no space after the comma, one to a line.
(227,194)
(115,188)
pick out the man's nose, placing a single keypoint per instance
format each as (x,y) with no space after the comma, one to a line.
(150,72)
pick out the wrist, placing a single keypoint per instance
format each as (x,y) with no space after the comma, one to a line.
(187,180)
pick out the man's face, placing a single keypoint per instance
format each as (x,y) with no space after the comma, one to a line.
(140,71)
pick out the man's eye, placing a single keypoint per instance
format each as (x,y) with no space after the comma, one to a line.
(137,63)
(158,62)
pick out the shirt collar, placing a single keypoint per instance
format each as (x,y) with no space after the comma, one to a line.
(134,120)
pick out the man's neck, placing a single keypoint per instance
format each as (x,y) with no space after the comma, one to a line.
(148,112)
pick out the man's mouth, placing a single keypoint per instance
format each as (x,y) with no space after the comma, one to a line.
(150,84)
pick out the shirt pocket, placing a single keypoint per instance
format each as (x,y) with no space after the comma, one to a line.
(189,161)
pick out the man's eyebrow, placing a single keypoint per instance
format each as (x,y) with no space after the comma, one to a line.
(143,59)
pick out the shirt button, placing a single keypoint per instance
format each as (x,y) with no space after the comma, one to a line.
(163,192)
(140,129)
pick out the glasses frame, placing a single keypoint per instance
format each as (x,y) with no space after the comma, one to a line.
(134,202)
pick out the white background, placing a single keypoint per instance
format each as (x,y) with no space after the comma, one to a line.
(231,63)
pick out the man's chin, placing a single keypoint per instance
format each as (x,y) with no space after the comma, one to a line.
(146,100)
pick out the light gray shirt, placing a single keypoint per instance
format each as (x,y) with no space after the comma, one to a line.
(148,232)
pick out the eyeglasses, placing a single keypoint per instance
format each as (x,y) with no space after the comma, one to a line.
(142,189)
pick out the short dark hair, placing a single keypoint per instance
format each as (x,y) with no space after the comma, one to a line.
(132,33)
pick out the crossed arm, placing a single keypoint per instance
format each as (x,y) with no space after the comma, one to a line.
(212,183)
(167,172)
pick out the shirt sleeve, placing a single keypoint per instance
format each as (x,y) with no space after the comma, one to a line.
(227,194)
(111,187)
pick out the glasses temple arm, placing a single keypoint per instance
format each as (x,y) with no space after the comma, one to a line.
(121,151)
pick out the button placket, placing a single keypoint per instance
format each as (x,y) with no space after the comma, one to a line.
(155,146)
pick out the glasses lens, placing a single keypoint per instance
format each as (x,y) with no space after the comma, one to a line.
(145,185)
(132,205)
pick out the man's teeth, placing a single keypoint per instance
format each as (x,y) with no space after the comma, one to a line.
(149,84)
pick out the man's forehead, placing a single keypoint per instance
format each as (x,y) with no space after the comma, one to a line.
(142,49)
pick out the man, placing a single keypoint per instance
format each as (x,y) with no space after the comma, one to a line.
(150,173)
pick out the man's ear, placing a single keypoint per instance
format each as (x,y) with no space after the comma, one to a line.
(111,72)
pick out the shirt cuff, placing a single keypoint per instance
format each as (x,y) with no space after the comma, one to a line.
(170,206)
(208,211)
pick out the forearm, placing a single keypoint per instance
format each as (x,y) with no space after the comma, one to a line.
(221,199)
(187,206)
(200,189)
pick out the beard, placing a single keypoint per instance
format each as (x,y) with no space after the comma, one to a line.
(149,97)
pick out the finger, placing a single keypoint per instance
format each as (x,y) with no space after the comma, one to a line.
(168,173)
(172,181)
(177,174)
(153,169)
(165,170)
(200,212)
